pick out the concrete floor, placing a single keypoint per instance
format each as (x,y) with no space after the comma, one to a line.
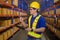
(22,35)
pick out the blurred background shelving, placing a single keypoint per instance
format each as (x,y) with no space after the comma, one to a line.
(12,10)
(9,17)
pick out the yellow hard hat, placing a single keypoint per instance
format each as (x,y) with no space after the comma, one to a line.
(35,5)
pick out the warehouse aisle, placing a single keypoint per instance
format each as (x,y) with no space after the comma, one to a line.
(12,10)
(22,35)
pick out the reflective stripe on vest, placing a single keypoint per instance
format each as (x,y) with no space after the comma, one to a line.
(31,33)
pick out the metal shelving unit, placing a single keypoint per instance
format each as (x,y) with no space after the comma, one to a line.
(10,30)
(54,19)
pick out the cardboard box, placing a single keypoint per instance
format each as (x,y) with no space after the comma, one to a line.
(10,2)
(4,11)
(15,13)
(58,12)
(0,12)
(55,1)
(9,12)
(15,2)
(15,29)
(16,20)
(51,21)
(58,23)
(11,31)
(51,12)
(8,22)
(46,13)
(9,34)
(3,0)
(1,36)
(3,23)
(5,35)
(47,20)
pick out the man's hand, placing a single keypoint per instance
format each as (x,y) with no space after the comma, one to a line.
(21,19)
(22,22)
(28,29)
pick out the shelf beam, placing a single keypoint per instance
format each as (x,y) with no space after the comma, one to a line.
(52,29)
(2,29)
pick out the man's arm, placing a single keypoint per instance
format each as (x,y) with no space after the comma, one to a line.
(39,30)
(24,24)
(42,25)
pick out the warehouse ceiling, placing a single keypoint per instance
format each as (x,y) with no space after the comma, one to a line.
(29,1)
(43,3)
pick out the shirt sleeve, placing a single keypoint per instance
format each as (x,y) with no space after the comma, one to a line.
(42,22)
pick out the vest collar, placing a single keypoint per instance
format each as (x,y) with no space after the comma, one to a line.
(35,16)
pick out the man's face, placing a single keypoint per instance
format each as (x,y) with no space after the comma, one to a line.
(32,11)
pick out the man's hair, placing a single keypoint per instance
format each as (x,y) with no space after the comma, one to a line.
(37,10)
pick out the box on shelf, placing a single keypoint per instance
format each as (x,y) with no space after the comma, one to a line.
(10,2)
(51,21)
(11,31)
(8,22)
(1,36)
(56,1)
(57,32)
(58,23)
(5,36)
(23,14)
(14,21)
(15,12)
(15,2)
(9,12)
(4,11)
(3,0)
(51,12)
(18,19)
(46,14)
(47,20)
(8,32)
(58,12)
(15,29)
(12,12)
(3,23)
(0,12)
(43,14)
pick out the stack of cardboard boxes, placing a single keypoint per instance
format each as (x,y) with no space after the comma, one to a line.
(7,12)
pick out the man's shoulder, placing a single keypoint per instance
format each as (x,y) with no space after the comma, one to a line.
(41,18)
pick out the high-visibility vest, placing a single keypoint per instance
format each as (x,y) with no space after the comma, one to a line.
(32,33)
